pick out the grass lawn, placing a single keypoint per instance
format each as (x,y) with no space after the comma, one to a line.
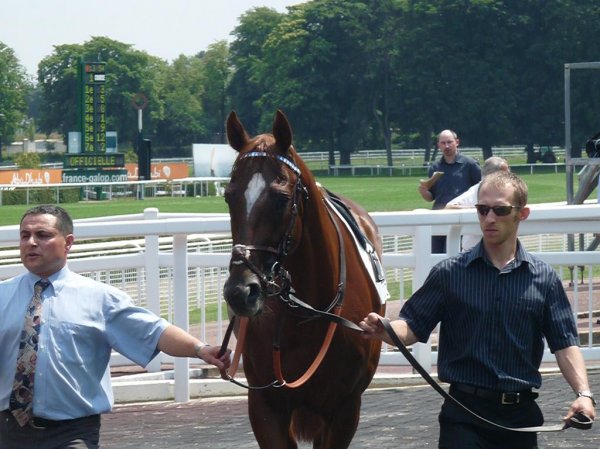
(374,193)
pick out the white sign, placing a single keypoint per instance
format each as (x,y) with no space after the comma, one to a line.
(213,159)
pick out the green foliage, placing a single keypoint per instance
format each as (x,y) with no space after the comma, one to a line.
(183,88)
(215,102)
(128,72)
(39,196)
(28,160)
(350,74)
(131,156)
(14,87)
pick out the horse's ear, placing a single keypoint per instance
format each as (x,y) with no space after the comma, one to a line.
(236,134)
(282,131)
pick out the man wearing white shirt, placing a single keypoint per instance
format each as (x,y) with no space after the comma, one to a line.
(468,199)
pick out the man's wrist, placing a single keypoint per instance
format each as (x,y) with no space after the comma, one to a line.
(586,394)
(198,347)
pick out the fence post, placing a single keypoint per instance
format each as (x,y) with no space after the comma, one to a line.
(152,271)
(181,313)
(423,263)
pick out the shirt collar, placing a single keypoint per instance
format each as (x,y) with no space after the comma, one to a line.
(478,252)
(459,159)
(57,279)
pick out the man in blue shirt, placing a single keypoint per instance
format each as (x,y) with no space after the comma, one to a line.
(82,321)
(460,173)
(495,304)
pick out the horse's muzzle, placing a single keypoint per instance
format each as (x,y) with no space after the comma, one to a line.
(244,295)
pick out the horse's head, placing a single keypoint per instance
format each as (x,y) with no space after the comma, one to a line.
(264,196)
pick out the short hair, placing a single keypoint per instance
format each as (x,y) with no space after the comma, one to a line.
(493,164)
(500,179)
(64,223)
(450,131)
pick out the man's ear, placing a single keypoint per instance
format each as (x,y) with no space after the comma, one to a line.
(69,239)
(524,213)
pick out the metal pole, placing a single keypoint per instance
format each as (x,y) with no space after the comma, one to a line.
(569,165)
(140,150)
(1,124)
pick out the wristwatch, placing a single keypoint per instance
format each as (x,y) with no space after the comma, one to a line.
(587,394)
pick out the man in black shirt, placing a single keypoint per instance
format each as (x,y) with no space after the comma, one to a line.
(460,173)
(495,304)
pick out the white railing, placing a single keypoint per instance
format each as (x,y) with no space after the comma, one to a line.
(156,273)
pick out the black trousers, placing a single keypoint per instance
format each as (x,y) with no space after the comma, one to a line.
(461,430)
(438,244)
(81,433)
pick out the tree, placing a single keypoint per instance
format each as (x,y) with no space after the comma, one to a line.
(248,60)
(314,69)
(183,88)
(215,101)
(14,87)
(128,71)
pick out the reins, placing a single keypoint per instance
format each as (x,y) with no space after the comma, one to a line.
(578,421)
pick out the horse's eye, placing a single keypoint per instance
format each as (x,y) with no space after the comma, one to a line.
(281,200)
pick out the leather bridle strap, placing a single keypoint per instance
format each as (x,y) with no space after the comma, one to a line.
(313,366)
(237,354)
(578,421)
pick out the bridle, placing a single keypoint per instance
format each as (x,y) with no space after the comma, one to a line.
(278,283)
(240,254)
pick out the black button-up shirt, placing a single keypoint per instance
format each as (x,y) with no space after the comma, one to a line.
(493,322)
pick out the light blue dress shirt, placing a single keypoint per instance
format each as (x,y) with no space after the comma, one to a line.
(82,321)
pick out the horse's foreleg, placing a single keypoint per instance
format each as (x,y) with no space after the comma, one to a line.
(271,426)
(340,429)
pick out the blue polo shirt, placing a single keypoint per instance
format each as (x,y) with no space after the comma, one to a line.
(493,322)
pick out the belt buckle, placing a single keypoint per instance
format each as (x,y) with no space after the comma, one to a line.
(510,398)
(33,425)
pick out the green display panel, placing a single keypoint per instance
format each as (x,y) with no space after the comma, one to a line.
(94,160)
(93,107)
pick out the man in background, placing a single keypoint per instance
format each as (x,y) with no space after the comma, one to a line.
(460,173)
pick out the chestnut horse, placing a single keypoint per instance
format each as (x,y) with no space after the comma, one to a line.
(295,269)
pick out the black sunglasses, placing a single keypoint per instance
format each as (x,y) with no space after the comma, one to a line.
(499,211)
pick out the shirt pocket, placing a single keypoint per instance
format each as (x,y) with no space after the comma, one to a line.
(528,310)
(74,344)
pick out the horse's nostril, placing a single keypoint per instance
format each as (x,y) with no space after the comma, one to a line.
(253,293)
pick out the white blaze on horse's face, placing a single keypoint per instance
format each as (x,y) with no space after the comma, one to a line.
(255,188)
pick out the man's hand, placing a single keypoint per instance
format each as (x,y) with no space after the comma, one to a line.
(210,354)
(582,405)
(372,326)
(424,191)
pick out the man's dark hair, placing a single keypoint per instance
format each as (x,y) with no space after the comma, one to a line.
(64,223)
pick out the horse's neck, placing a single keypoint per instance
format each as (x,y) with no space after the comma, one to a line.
(315,264)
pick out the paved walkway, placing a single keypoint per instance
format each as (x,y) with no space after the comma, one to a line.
(402,417)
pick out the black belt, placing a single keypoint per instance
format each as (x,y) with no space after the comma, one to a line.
(499,397)
(36,422)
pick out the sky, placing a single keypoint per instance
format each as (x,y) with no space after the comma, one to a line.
(162,28)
